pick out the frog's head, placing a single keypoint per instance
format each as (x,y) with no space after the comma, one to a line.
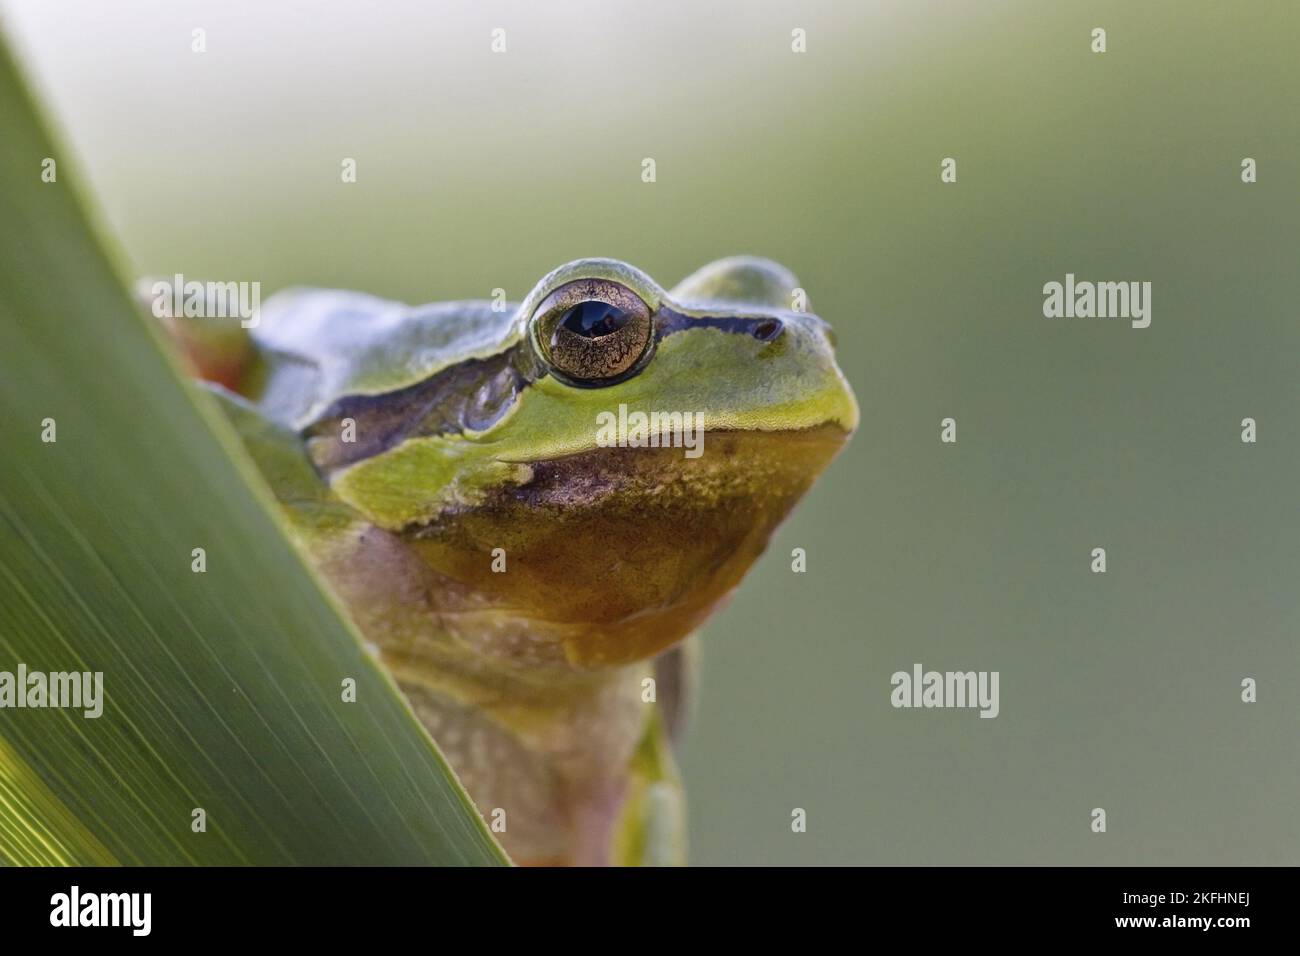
(629,449)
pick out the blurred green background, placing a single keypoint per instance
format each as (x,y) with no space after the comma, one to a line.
(478,170)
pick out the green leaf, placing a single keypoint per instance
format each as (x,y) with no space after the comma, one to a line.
(222,690)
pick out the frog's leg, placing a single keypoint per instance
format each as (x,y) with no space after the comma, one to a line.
(214,349)
(651,828)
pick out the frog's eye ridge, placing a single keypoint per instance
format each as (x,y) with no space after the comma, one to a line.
(592,332)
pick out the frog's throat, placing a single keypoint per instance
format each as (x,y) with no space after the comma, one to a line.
(614,554)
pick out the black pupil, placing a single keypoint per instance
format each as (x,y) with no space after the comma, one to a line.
(593,319)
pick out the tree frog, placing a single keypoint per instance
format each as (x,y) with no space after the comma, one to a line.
(530,576)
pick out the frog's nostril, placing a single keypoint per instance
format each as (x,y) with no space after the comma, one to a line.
(768,329)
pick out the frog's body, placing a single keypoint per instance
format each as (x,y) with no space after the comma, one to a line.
(442,466)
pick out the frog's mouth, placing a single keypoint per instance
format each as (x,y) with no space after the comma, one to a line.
(620,552)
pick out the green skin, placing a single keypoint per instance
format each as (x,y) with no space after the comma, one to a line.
(407,445)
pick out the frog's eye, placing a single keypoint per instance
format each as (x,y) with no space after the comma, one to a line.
(592,332)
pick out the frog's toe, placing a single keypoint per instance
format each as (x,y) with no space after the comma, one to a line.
(204,327)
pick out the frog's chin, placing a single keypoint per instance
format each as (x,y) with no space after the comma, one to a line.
(618,553)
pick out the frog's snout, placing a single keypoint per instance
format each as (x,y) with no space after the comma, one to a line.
(802,377)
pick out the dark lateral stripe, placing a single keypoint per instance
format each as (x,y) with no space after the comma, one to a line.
(469,395)
(765,327)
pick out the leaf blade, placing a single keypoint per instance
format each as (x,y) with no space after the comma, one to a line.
(221,688)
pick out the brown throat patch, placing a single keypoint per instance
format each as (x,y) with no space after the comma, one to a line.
(621,552)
